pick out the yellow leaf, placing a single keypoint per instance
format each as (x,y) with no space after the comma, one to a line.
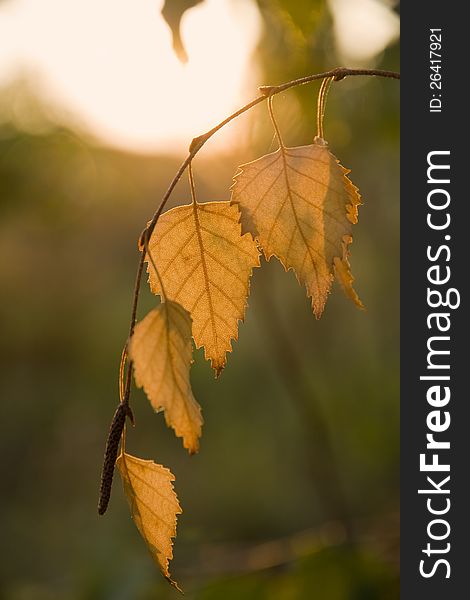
(161,350)
(300,204)
(344,275)
(205,265)
(154,505)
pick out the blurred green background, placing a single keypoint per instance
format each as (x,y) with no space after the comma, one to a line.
(294,494)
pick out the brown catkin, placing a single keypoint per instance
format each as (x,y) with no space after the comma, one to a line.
(110,455)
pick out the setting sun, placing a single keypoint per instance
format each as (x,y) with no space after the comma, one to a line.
(111,65)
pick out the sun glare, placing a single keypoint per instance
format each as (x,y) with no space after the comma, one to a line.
(111,64)
(363,28)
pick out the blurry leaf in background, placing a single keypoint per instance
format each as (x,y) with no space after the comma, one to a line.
(300,204)
(154,505)
(296,37)
(161,350)
(205,264)
(333,573)
(172,12)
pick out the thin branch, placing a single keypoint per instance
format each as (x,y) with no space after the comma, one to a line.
(274,122)
(322,95)
(192,187)
(122,366)
(135,301)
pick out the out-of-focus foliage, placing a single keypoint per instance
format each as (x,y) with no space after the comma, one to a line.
(268,506)
(172,12)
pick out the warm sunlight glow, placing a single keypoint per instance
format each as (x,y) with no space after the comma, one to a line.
(111,64)
(363,28)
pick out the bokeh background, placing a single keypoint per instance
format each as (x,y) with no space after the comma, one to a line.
(294,494)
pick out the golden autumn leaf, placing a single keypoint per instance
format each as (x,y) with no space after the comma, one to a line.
(154,505)
(301,206)
(161,350)
(344,275)
(205,265)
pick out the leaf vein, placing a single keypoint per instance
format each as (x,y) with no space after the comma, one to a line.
(225,239)
(258,172)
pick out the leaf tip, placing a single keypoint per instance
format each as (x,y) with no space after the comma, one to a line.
(318,308)
(218,369)
(343,273)
(192,447)
(174,584)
